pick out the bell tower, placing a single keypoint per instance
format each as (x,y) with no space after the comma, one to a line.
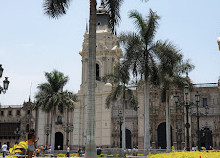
(107,51)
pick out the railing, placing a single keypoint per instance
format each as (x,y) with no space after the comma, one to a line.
(12,106)
(206,85)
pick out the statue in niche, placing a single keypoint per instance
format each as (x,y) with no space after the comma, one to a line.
(59,120)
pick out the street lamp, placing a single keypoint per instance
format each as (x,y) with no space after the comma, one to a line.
(5,82)
(120,121)
(47,133)
(17,133)
(68,128)
(187,105)
(198,115)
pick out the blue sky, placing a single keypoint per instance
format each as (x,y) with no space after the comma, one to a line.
(32,43)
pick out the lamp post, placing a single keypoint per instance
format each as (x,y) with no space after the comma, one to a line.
(187,105)
(68,128)
(5,82)
(47,133)
(198,115)
(17,133)
(120,121)
(197,96)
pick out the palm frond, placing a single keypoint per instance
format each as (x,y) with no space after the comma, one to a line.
(55,8)
(167,54)
(131,100)
(184,67)
(113,10)
(151,28)
(110,78)
(138,21)
(153,71)
(113,96)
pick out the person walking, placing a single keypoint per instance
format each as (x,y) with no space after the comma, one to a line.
(4,149)
(31,138)
(67,151)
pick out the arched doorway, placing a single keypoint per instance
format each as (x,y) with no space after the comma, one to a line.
(161,136)
(58,141)
(128,138)
(206,138)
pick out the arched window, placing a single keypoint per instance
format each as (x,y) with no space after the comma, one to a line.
(98,78)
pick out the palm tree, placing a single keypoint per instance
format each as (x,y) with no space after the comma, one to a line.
(172,77)
(54,9)
(57,8)
(120,79)
(143,55)
(51,97)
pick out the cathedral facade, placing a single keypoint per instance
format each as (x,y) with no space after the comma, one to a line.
(70,127)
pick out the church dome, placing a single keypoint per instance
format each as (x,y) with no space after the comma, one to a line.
(108,85)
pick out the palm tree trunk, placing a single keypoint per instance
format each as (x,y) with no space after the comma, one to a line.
(90,130)
(53,131)
(123,126)
(147,114)
(68,128)
(36,122)
(168,134)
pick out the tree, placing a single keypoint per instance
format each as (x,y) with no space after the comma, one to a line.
(51,97)
(172,77)
(57,8)
(54,9)
(143,56)
(120,79)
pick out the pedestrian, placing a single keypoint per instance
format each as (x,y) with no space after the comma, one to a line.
(4,149)
(80,152)
(31,138)
(134,151)
(67,151)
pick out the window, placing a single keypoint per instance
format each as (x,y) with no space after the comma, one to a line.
(28,112)
(18,112)
(204,102)
(126,105)
(9,113)
(97,73)
(2,113)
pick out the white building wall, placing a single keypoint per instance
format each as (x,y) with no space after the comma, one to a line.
(41,126)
